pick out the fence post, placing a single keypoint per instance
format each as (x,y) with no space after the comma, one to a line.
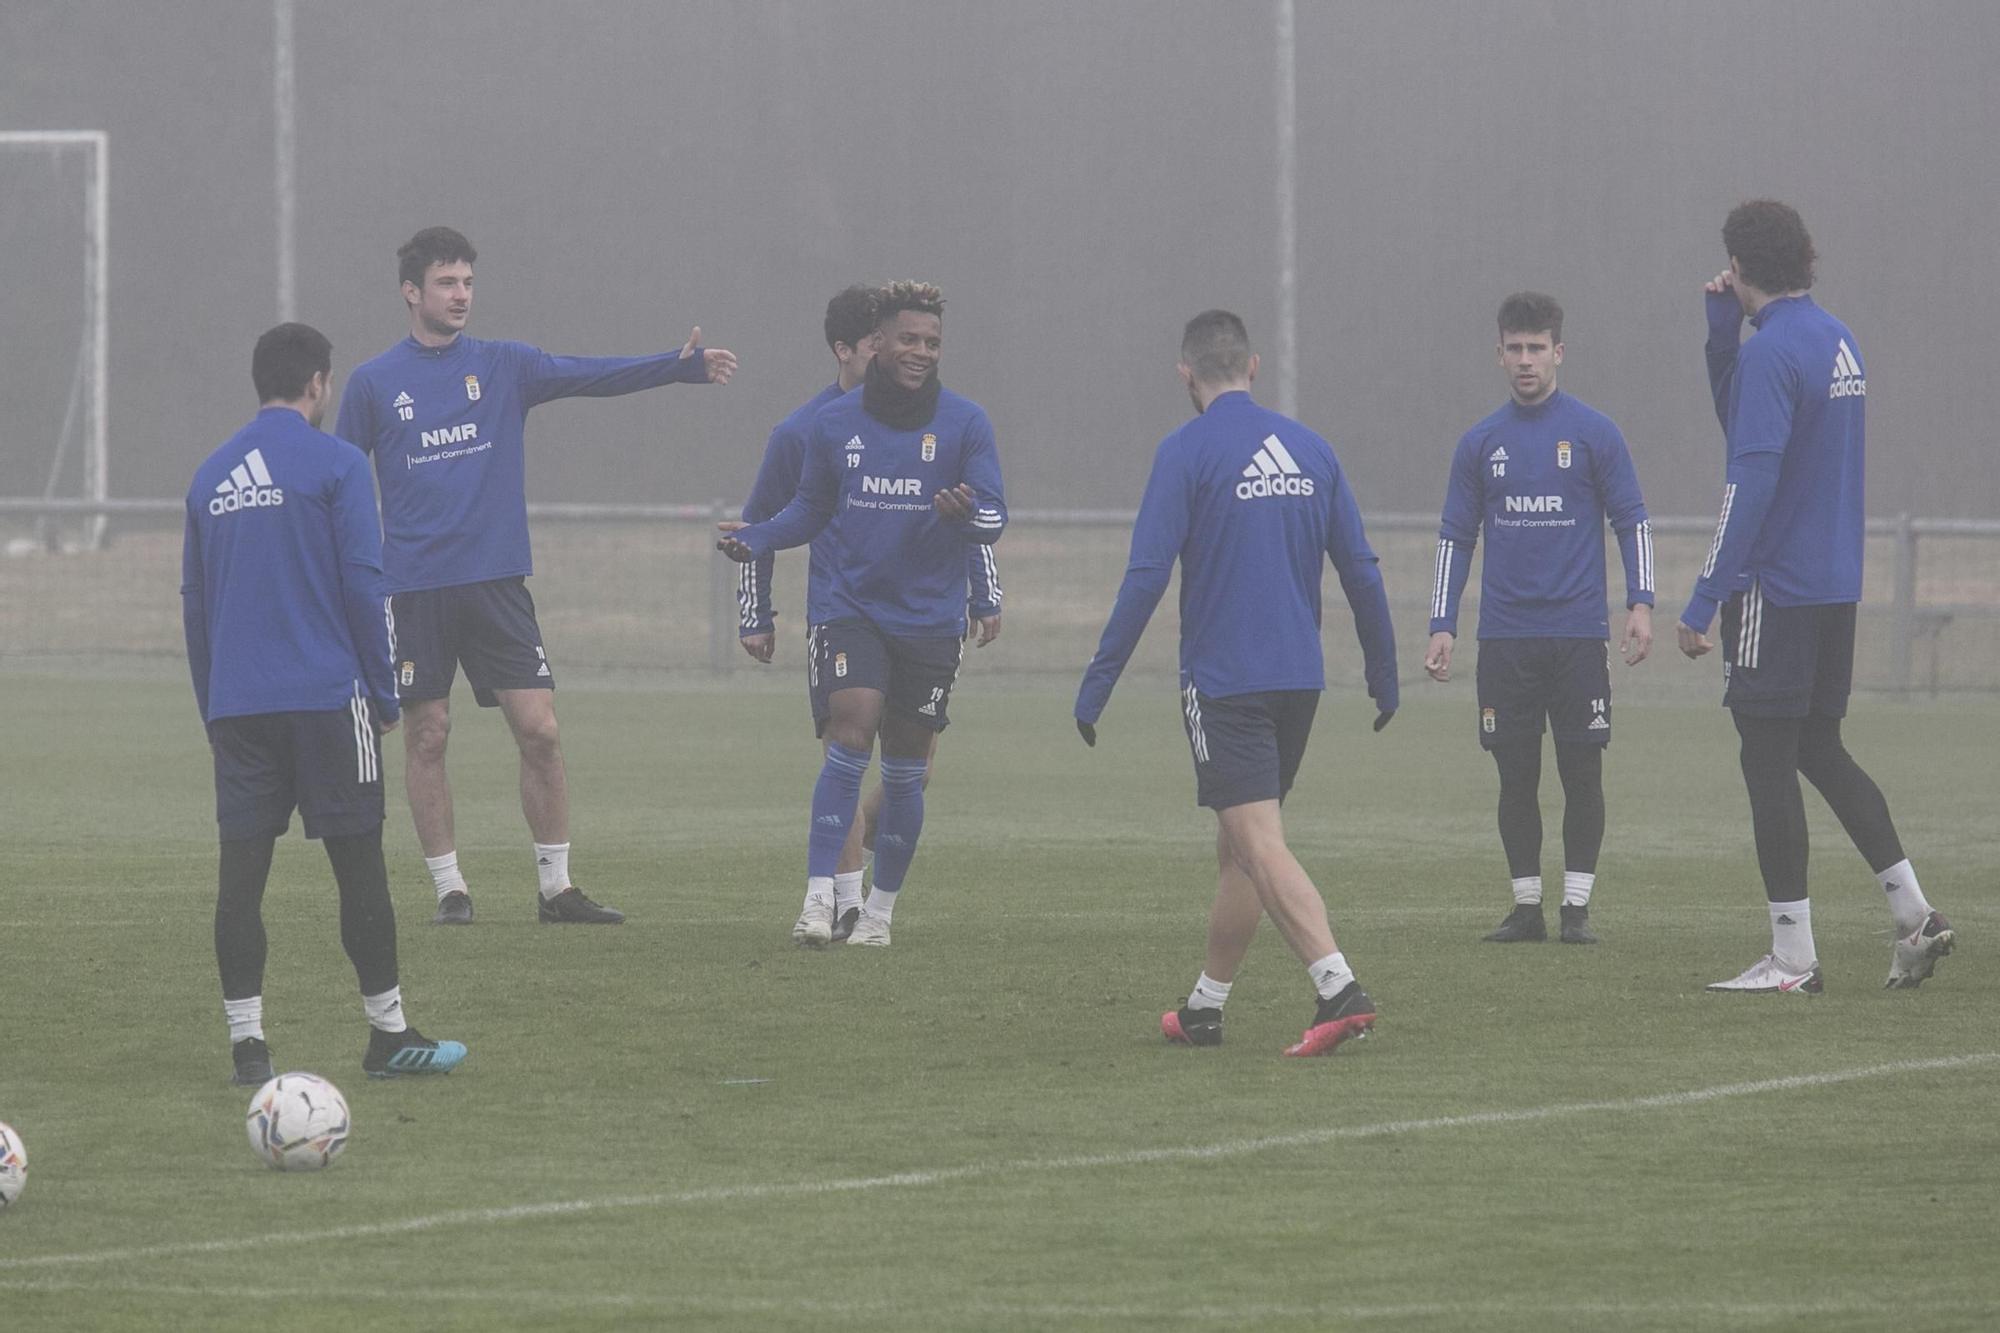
(1905,607)
(721,596)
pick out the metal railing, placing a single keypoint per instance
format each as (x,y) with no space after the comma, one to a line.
(618,591)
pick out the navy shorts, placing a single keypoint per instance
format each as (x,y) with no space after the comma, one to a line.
(914,674)
(1786,661)
(1247,747)
(1526,683)
(489,628)
(327,765)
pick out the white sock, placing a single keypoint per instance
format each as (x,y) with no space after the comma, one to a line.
(1331,975)
(246,1018)
(385,1011)
(552,867)
(822,886)
(445,876)
(880,902)
(1791,934)
(846,890)
(1209,993)
(1528,891)
(1576,888)
(1906,901)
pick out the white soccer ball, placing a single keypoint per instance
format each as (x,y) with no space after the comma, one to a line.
(13,1165)
(297,1122)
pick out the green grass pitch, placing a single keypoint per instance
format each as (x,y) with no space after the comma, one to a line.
(686,1123)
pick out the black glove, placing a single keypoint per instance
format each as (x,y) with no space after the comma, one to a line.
(1382,719)
(1088,731)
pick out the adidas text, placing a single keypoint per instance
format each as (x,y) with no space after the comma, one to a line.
(248,486)
(257,497)
(1253,490)
(1273,471)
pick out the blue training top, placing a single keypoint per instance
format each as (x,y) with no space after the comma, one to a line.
(281,575)
(777,482)
(447,428)
(1252,504)
(1792,401)
(1540,482)
(891,558)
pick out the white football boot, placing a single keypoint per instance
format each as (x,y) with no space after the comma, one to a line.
(1915,956)
(1768,976)
(814,928)
(870,929)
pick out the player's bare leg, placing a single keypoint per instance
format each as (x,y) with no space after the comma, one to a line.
(531,716)
(1232,924)
(1256,837)
(426,731)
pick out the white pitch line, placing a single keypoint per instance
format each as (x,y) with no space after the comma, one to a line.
(1151,1315)
(990,1170)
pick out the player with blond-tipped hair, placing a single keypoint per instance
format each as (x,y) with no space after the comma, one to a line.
(904,474)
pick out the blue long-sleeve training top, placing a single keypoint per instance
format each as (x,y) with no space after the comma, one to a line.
(890,556)
(281,575)
(1252,504)
(446,426)
(1540,483)
(1792,402)
(777,482)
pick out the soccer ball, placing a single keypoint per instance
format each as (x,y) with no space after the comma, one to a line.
(13,1165)
(297,1122)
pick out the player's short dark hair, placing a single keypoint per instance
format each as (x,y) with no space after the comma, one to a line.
(432,245)
(896,297)
(1531,312)
(1770,244)
(850,316)
(285,361)
(1216,347)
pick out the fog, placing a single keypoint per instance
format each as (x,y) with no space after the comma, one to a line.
(1080,178)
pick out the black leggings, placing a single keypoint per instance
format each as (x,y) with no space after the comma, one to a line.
(1776,750)
(1581,768)
(367,917)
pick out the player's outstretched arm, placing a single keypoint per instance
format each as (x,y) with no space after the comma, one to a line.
(544,376)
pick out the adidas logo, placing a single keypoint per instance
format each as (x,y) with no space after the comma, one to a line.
(1498,455)
(1784,919)
(1598,723)
(1272,471)
(404,400)
(248,486)
(854,443)
(1847,381)
(928,710)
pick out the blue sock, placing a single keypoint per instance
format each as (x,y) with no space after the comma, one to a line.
(902,821)
(836,797)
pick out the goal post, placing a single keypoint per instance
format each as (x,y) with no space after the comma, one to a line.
(84,416)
